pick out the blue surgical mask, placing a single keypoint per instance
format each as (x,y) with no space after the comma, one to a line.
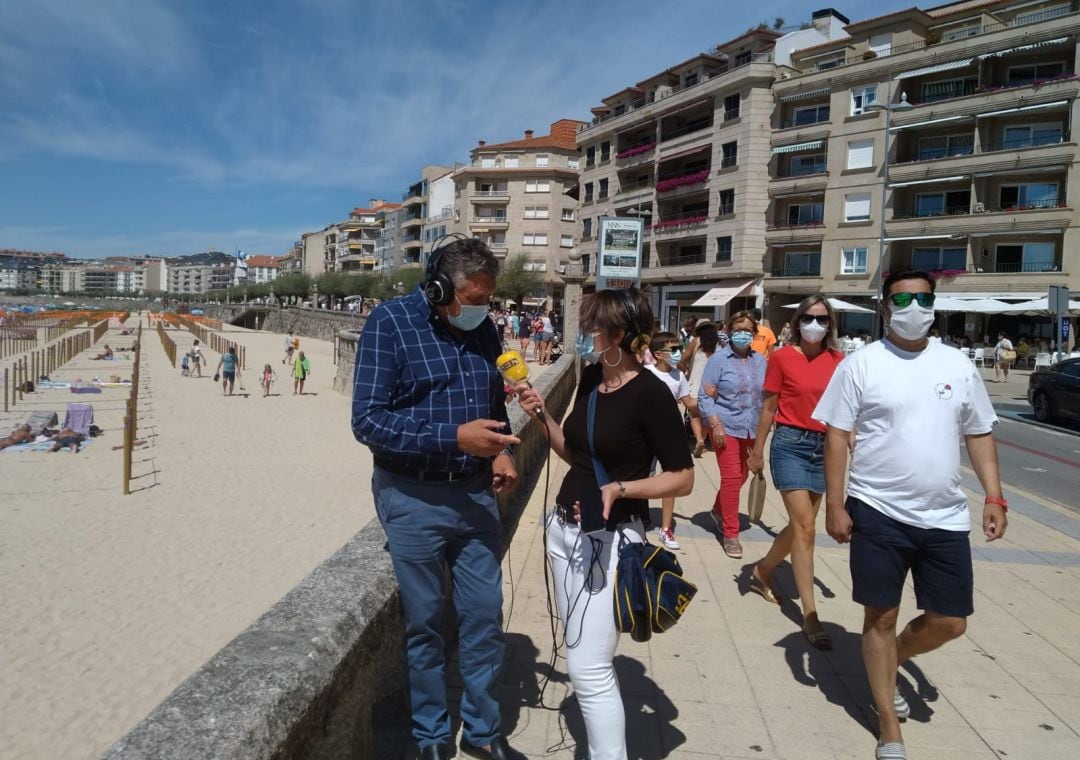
(470,317)
(676,357)
(586,348)
(741,338)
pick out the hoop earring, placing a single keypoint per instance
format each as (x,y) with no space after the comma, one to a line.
(603,357)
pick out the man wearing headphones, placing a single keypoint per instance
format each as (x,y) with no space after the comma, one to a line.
(429,403)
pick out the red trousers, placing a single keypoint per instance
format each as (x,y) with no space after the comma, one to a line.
(733,461)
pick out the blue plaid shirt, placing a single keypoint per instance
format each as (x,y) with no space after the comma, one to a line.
(740,385)
(415,384)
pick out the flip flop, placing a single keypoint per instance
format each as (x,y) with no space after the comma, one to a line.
(758,587)
(819,640)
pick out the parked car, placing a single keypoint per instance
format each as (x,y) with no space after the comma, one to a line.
(1054,392)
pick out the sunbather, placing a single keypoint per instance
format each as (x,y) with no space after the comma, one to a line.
(19,435)
(108,354)
(67,438)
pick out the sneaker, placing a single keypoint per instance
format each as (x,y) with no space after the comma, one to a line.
(733,548)
(667,538)
(890,751)
(900,705)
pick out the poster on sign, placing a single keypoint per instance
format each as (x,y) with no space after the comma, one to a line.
(619,264)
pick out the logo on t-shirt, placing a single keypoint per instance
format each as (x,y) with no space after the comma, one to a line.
(943,391)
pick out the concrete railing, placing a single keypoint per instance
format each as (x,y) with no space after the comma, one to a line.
(302,680)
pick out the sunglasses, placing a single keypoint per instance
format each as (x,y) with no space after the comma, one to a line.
(821,319)
(902,300)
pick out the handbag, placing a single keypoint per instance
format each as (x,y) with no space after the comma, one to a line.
(755,501)
(650,592)
(1008,356)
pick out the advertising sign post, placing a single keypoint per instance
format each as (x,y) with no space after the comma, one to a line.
(619,252)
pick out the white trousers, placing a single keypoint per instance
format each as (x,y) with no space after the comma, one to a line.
(583,573)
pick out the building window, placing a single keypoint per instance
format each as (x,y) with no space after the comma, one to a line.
(566,241)
(853,261)
(536,212)
(945,146)
(949,88)
(727,201)
(861,98)
(937,259)
(568,214)
(1026,257)
(541,159)
(743,58)
(1031,135)
(588,193)
(809,163)
(723,250)
(857,207)
(1029,195)
(960,34)
(535,266)
(1035,72)
(809,115)
(511,162)
(943,203)
(487,162)
(689,80)
(860,154)
(590,156)
(830,63)
(805,213)
(602,190)
(586,229)
(535,238)
(730,154)
(572,163)
(731,107)
(881,44)
(806,264)
(537,186)
(605,150)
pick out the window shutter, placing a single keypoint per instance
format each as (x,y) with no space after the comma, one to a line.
(860,154)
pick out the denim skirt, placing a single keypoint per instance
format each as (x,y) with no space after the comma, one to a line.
(797,459)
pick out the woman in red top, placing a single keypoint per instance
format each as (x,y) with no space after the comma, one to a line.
(794,382)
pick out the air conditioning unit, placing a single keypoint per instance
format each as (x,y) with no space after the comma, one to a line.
(663,91)
(980,208)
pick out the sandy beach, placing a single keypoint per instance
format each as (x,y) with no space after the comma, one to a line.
(110,600)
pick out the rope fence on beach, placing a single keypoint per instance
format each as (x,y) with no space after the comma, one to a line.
(131,418)
(43,361)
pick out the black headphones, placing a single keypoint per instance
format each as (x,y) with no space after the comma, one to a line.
(438,287)
(637,337)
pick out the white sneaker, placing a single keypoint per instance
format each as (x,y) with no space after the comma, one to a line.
(890,751)
(667,538)
(900,705)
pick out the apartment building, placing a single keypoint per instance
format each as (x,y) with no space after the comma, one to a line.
(441,216)
(980,156)
(17,273)
(413,217)
(512,195)
(388,244)
(201,272)
(262,269)
(685,151)
(351,244)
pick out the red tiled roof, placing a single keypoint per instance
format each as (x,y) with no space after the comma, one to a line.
(878,19)
(949,9)
(563,136)
(376,208)
(268,262)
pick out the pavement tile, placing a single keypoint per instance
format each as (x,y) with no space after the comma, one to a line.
(1066,708)
(727,731)
(1044,744)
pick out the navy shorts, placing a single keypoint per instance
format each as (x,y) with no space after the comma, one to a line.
(230,376)
(884,549)
(797,459)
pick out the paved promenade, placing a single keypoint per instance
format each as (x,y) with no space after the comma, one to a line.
(736,679)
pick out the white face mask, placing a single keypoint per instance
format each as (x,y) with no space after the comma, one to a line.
(813,332)
(913,322)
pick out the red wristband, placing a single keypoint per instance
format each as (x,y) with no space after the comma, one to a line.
(999,500)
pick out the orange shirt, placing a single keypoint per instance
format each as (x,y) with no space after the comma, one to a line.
(764,340)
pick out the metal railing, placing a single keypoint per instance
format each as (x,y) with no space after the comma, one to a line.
(491,193)
(1026,266)
(807,271)
(925,213)
(489,220)
(801,171)
(676,221)
(1030,205)
(689,129)
(635,151)
(788,123)
(788,225)
(679,260)
(1021,143)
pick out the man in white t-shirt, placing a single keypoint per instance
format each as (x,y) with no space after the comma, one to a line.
(665,348)
(910,401)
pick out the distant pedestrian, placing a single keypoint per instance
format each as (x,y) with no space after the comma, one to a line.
(227,366)
(666,349)
(537,337)
(267,379)
(301,370)
(764,338)
(1004,356)
(547,336)
(523,333)
(196,359)
(289,349)
(910,402)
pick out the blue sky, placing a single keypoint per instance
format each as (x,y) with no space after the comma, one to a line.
(147,126)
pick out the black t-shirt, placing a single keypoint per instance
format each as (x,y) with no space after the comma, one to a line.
(635,424)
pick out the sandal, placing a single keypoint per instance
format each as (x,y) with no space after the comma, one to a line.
(699,449)
(821,641)
(758,587)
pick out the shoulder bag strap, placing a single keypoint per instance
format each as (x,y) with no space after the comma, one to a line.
(598,467)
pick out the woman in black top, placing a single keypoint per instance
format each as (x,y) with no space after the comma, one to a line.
(636,422)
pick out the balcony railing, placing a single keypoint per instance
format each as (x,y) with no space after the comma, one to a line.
(788,123)
(490,193)
(687,130)
(1025,142)
(728,161)
(923,213)
(1029,205)
(675,221)
(641,149)
(1026,266)
(796,271)
(489,220)
(627,187)
(801,171)
(818,224)
(673,183)
(680,260)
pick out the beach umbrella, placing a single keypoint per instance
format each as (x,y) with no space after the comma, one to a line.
(839,304)
(1038,307)
(950,304)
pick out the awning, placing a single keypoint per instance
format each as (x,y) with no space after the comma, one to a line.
(1022,48)
(816,92)
(935,68)
(928,181)
(1038,307)
(720,296)
(957,236)
(927,122)
(838,304)
(798,146)
(681,153)
(1038,107)
(954,305)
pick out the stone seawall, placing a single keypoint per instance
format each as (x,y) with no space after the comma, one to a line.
(302,680)
(303,322)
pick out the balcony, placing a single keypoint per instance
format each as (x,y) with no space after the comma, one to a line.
(490,222)
(998,158)
(690,137)
(990,100)
(1031,217)
(798,184)
(682,182)
(489,196)
(499,249)
(636,155)
(687,224)
(634,192)
(407,244)
(796,123)
(416,221)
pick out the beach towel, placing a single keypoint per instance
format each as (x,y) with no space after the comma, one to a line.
(79,417)
(85,389)
(40,420)
(40,446)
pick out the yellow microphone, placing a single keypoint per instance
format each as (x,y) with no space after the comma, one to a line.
(514,370)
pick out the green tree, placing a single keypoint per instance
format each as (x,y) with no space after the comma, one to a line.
(778,23)
(516,281)
(397,282)
(298,285)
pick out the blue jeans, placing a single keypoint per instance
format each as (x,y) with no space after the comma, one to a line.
(432,526)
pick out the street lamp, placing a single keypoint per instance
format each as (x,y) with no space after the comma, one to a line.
(888,107)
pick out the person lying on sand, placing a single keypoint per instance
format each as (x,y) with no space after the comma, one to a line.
(19,435)
(67,438)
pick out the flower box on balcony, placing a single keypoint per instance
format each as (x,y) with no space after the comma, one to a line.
(696,178)
(665,224)
(938,274)
(638,150)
